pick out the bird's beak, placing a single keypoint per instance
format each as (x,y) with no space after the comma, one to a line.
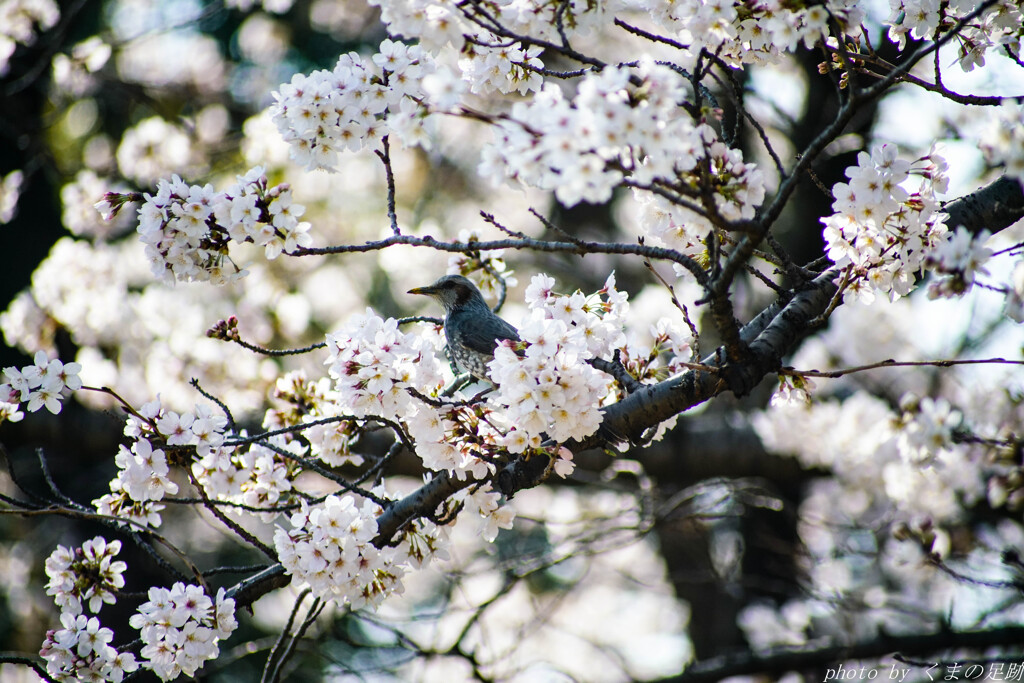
(422,290)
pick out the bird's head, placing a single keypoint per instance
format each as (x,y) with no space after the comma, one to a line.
(452,292)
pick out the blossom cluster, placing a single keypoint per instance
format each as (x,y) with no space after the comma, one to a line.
(501,67)
(737,32)
(998,27)
(458,439)
(330,549)
(143,476)
(753,34)
(187,229)
(374,364)
(488,505)
(87,576)
(37,385)
(665,351)
(467,441)
(600,318)
(443,22)
(256,477)
(738,189)
(330,545)
(81,651)
(621,122)
(882,232)
(549,388)
(181,628)
(488,62)
(353,105)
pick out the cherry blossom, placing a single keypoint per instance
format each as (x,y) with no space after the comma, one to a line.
(881,233)
(181,628)
(85,576)
(81,651)
(38,385)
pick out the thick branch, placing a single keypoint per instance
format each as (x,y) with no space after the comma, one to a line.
(771,339)
(994,207)
(423,502)
(771,335)
(775,332)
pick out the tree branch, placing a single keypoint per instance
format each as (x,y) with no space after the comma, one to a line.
(771,335)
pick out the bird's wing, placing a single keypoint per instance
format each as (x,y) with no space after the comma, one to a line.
(484,337)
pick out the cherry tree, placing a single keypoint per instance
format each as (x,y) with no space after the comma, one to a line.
(764,418)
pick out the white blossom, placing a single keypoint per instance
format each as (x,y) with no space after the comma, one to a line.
(329,112)
(181,628)
(81,651)
(38,385)
(373,364)
(881,232)
(85,576)
(329,548)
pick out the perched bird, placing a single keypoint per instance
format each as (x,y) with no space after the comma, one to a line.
(470,326)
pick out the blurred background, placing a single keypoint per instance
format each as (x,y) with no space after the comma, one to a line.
(692,547)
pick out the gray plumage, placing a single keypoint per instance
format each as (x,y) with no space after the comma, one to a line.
(470,326)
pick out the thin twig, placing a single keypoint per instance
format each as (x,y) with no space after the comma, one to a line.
(378,466)
(271,674)
(987,583)
(278,352)
(328,474)
(489,218)
(226,521)
(695,347)
(53,485)
(314,611)
(220,404)
(581,248)
(547,223)
(385,157)
(833,374)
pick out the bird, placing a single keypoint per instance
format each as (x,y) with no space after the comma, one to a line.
(471,328)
